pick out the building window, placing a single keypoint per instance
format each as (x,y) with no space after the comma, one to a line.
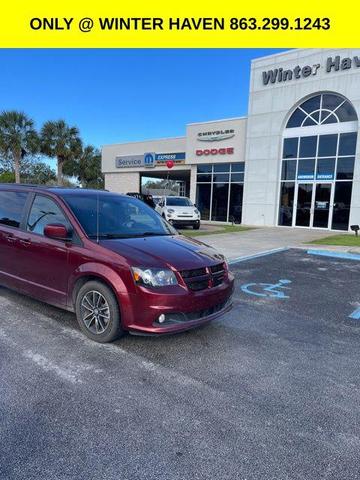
(322,110)
(219,191)
(317,165)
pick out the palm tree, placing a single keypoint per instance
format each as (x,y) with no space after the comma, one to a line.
(62,142)
(18,138)
(87,168)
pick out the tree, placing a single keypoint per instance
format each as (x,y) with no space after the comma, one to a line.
(18,138)
(86,168)
(62,142)
(39,173)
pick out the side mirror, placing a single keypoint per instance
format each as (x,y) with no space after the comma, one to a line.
(57,231)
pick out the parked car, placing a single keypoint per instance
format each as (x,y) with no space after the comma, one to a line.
(179,211)
(111,259)
(148,199)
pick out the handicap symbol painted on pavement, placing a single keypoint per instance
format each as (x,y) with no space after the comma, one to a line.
(273,290)
(355,314)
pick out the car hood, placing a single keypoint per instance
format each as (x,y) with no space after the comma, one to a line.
(180,252)
(181,209)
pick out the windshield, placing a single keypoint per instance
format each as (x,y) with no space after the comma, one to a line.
(119,216)
(178,202)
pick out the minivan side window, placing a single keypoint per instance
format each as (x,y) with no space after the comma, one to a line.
(43,212)
(11,208)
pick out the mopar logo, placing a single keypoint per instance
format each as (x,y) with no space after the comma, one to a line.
(149,159)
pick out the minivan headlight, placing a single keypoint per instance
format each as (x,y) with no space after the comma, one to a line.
(154,277)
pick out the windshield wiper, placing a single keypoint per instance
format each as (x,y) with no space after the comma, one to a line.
(153,234)
(110,235)
(127,235)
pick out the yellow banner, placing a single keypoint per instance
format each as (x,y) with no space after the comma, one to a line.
(38,23)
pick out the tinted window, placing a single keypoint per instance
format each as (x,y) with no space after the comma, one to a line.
(219,202)
(237,177)
(290,147)
(325,168)
(117,216)
(346,113)
(347,145)
(238,167)
(206,168)
(221,177)
(296,119)
(286,204)
(178,202)
(43,212)
(345,168)
(288,170)
(204,177)
(306,169)
(327,145)
(330,101)
(312,104)
(11,208)
(222,167)
(308,147)
(203,195)
(235,208)
(342,201)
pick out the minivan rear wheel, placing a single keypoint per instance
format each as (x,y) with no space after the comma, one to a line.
(97,312)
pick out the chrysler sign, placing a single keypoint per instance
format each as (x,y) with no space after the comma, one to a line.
(215,135)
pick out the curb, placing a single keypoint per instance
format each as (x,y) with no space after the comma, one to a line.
(335,254)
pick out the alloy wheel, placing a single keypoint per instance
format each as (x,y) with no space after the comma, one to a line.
(95,312)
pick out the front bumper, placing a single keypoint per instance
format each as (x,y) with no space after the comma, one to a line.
(183,309)
(184,221)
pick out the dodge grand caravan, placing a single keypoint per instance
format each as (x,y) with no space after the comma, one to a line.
(109,258)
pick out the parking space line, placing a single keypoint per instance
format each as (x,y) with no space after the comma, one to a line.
(257,255)
(329,253)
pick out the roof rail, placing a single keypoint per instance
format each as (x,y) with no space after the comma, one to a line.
(33,185)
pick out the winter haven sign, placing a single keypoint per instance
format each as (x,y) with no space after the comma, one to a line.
(333,64)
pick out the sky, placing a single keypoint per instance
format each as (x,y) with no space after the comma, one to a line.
(120,95)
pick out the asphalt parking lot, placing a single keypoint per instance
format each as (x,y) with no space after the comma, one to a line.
(270,391)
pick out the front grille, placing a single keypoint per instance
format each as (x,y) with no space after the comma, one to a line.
(202,278)
(193,273)
(218,272)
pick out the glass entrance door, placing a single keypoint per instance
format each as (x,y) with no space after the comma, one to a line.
(304,204)
(313,205)
(321,207)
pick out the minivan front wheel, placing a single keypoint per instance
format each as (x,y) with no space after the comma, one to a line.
(97,312)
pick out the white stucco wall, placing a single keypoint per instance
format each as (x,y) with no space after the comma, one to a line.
(269,107)
(237,142)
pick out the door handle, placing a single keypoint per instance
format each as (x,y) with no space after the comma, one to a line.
(10,238)
(25,242)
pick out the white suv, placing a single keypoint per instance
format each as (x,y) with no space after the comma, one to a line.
(179,211)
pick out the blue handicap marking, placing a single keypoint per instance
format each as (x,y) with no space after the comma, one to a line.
(355,314)
(273,290)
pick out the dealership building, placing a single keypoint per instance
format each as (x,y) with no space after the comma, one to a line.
(294,160)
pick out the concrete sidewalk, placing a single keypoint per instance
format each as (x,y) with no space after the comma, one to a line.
(259,240)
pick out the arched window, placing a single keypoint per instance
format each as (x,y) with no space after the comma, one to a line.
(318,163)
(321,110)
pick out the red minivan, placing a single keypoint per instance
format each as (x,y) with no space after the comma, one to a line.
(110,258)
